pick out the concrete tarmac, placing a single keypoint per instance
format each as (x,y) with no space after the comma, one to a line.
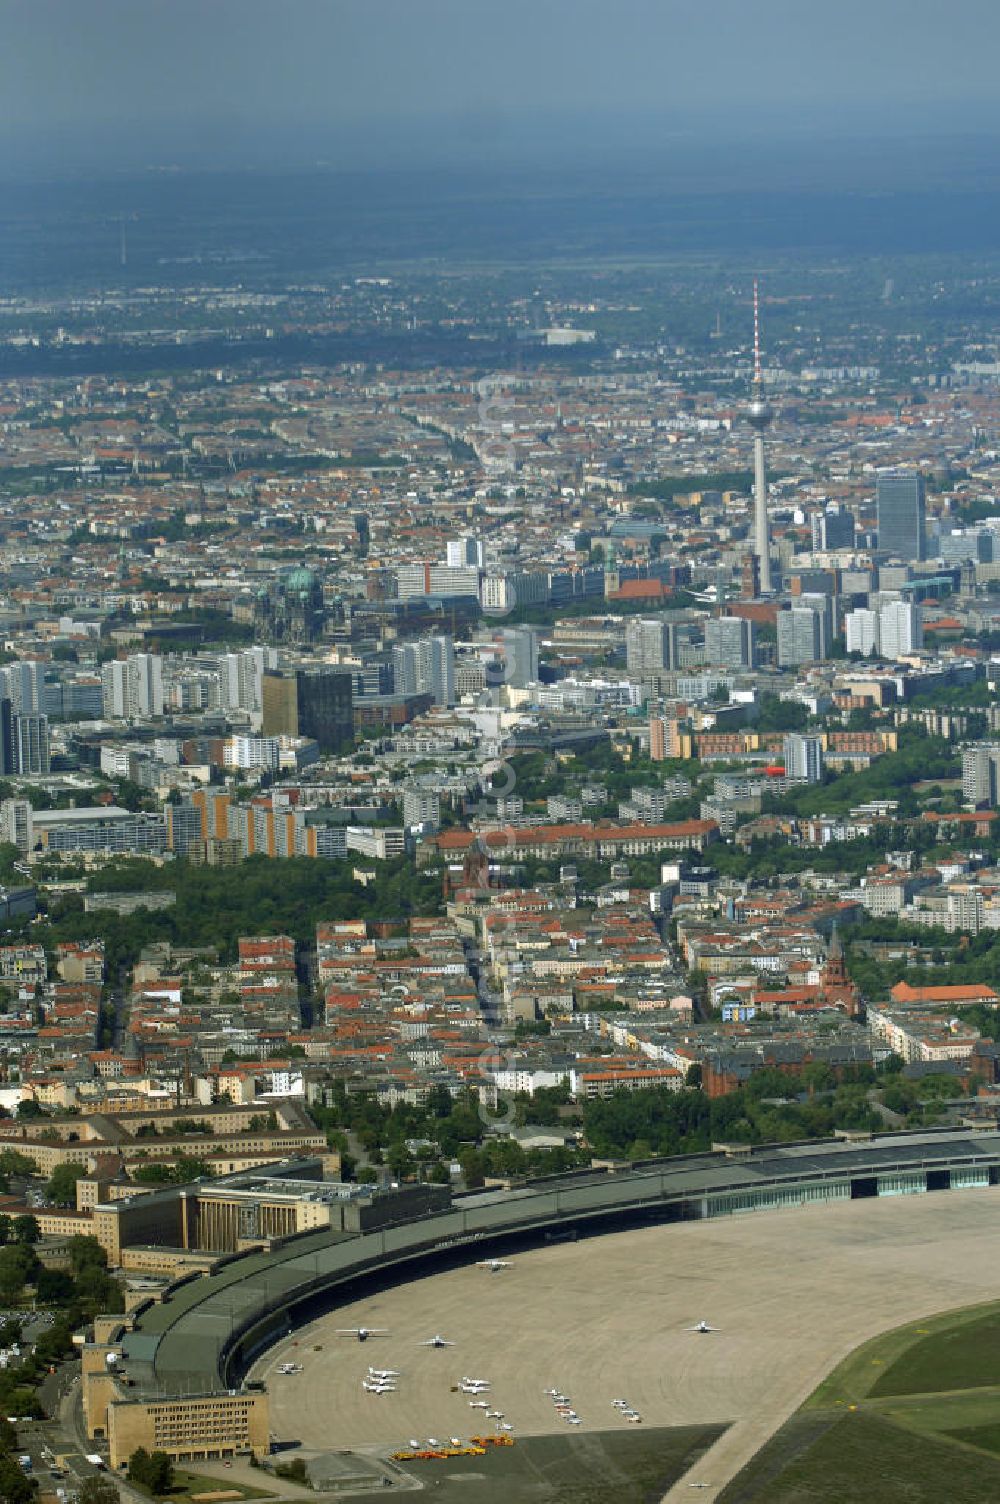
(790,1293)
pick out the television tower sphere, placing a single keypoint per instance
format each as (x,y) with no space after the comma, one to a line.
(759,415)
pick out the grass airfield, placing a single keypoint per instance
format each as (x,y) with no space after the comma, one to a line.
(911,1417)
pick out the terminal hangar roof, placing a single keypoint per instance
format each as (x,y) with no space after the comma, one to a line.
(178,1342)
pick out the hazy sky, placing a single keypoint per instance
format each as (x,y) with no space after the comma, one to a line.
(122,83)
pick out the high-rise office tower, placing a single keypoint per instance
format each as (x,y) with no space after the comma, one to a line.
(425,667)
(901,629)
(647,645)
(462,553)
(980,765)
(862,631)
(729,642)
(133,687)
(15,823)
(421,807)
(803,757)
(8,762)
(145,684)
(520,650)
(114,683)
(23,683)
(899,497)
(759,417)
(31,743)
(800,636)
(832,529)
(8,745)
(317,704)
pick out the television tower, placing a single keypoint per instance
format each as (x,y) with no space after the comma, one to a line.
(759,417)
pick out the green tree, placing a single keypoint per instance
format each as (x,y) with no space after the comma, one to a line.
(475,1167)
(54,1287)
(13,1163)
(13,1276)
(85,1252)
(61,1185)
(26,1229)
(401,1161)
(161,1473)
(15,1488)
(138,1467)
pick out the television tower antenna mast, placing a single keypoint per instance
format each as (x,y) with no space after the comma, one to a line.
(759,417)
(757,378)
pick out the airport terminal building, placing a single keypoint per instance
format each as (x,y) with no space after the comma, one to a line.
(170,1374)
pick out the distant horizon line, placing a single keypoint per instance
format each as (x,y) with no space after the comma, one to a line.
(636,143)
(631,165)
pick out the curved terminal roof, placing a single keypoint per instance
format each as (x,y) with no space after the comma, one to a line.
(207,1326)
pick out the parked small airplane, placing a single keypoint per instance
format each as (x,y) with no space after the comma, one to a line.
(383,1373)
(436,1341)
(494,1265)
(378,1386)
(703,1326)
(362,1332)
(289,1368)
(479,1383)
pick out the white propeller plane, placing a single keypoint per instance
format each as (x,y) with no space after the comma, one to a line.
(436,1341)
(703,1326)
(493,1265)
(362,1332)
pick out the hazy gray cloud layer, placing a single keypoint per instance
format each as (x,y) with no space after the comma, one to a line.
(394,81)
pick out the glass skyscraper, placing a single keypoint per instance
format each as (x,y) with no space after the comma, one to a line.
(900,501)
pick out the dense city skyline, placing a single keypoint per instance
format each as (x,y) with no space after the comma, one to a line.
(499,741)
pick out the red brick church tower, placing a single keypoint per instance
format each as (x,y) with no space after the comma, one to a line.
(835,986)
